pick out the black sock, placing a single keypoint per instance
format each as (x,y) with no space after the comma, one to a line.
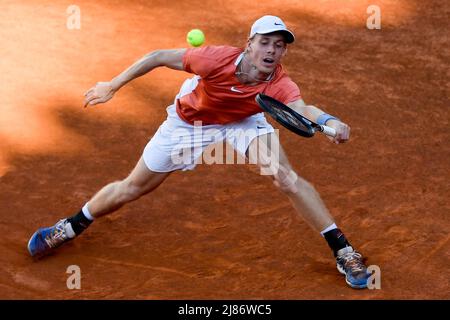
(336,240)
(79,222)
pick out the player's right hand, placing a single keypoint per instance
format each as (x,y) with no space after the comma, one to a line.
(342,131)
(100,93)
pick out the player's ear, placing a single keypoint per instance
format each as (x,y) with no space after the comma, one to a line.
(284,52)
(249,45)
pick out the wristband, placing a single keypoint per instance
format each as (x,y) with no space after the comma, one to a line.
(323,118)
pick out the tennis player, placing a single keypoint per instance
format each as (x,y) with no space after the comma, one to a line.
(221,97)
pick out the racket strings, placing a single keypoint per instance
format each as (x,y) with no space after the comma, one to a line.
(288,117)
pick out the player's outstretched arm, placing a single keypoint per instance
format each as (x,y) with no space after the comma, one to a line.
(313,113)
(104,91)
(308,111)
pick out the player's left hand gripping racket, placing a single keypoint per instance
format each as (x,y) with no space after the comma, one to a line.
(291,119)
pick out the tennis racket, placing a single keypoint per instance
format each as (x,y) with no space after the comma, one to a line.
(290,119)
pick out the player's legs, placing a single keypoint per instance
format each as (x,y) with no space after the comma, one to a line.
(270,156)
(116,194)
(300,192)
(109,199)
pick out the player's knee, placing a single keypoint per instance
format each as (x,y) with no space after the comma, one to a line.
(286,180)
(130,191)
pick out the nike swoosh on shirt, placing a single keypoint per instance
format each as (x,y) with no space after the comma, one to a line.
(236,90)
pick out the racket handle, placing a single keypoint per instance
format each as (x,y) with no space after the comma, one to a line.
(328,131)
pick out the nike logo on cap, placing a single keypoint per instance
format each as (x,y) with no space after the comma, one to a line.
(278,24)
(236,90)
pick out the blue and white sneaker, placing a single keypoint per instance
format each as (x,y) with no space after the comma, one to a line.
(350,263)
(45,240)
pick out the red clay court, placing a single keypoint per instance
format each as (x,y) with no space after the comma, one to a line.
(221,231)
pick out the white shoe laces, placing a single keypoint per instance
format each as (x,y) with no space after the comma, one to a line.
(353,260)
(58,235)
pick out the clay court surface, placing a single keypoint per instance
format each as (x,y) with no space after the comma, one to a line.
(223,231)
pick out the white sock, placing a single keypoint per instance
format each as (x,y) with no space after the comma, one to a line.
(86,212)
(329,228)
(69,230)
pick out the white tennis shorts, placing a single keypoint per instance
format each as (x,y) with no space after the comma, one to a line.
(178,145)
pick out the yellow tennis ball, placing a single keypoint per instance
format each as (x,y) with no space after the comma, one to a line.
(195,37)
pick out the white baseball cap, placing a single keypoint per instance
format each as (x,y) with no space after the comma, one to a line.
(268,24)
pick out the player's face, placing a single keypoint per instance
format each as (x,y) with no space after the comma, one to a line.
(266,51)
